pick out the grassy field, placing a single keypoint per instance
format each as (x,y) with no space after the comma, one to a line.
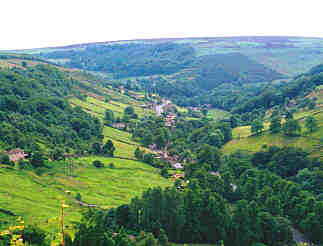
(125,147)
(122,140)
(311,142)
(38,198)
(97,107)
(218,114)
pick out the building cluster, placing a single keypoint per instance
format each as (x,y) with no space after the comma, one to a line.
(16,155)
(163,155)
(170,120)
(119,125)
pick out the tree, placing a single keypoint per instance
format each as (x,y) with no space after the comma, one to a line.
(97,164)
(108,148)
(234,121)
(109,117)
(275,125)
(291,128)
(164,172)
(129,110)
(4,159)
(162,238)
(33,235)
(256,127)
(311,124)
(205,112)
(148,158)
(311,105)
(78,197)
(289,115)
(139,153)
(23,164)
(37,159)
(216,138)
(96,148)
(107,98)
(210,155)
(57,154)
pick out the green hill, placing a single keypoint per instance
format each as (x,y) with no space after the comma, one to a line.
(223,72)
(311,142)
(41,102)
(38,197)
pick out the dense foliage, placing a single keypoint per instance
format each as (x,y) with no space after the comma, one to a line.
(241,205)
(187,140)
(34,111)
(129,60)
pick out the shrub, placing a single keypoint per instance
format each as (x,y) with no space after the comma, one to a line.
(34,235)
(98,164)
(164,172)
(111,165)
(78,197)
(4,159)
(24,164)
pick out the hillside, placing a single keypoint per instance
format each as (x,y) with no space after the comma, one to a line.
(286,55)
(312,142)
(221,72)
(39,105)
(42,194)
(184,140)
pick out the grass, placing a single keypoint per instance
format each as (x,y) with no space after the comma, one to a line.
(38,198)
(311,142)
(125,146)
(98,107)
(122,140)
(218,114)
(118,135)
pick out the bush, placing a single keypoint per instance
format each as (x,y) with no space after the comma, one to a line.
(4,159)
(24,164)
(98,164)
(40,170)
(111,165)
(34,235)
(164,172)
(78,197)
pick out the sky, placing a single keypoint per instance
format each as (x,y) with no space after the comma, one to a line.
(46,23)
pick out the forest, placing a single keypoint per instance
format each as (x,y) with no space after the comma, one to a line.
(34,110)
(242,204)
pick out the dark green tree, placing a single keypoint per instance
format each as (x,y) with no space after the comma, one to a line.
(37,159)
(275,125)
(129,110)
(311,124)
(291,128)
(109,117)
(97,164)
(164,172)
(96,148)
(139,153)
(209,155)
(108,148)
(257,127)
(4,159)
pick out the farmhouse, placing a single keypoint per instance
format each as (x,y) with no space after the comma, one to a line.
(178,165)
(178,176)
(16,155)
(170,120)
(119,125)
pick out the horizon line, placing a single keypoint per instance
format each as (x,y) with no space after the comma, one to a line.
(161,39)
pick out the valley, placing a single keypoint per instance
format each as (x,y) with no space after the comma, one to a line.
(158,142)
